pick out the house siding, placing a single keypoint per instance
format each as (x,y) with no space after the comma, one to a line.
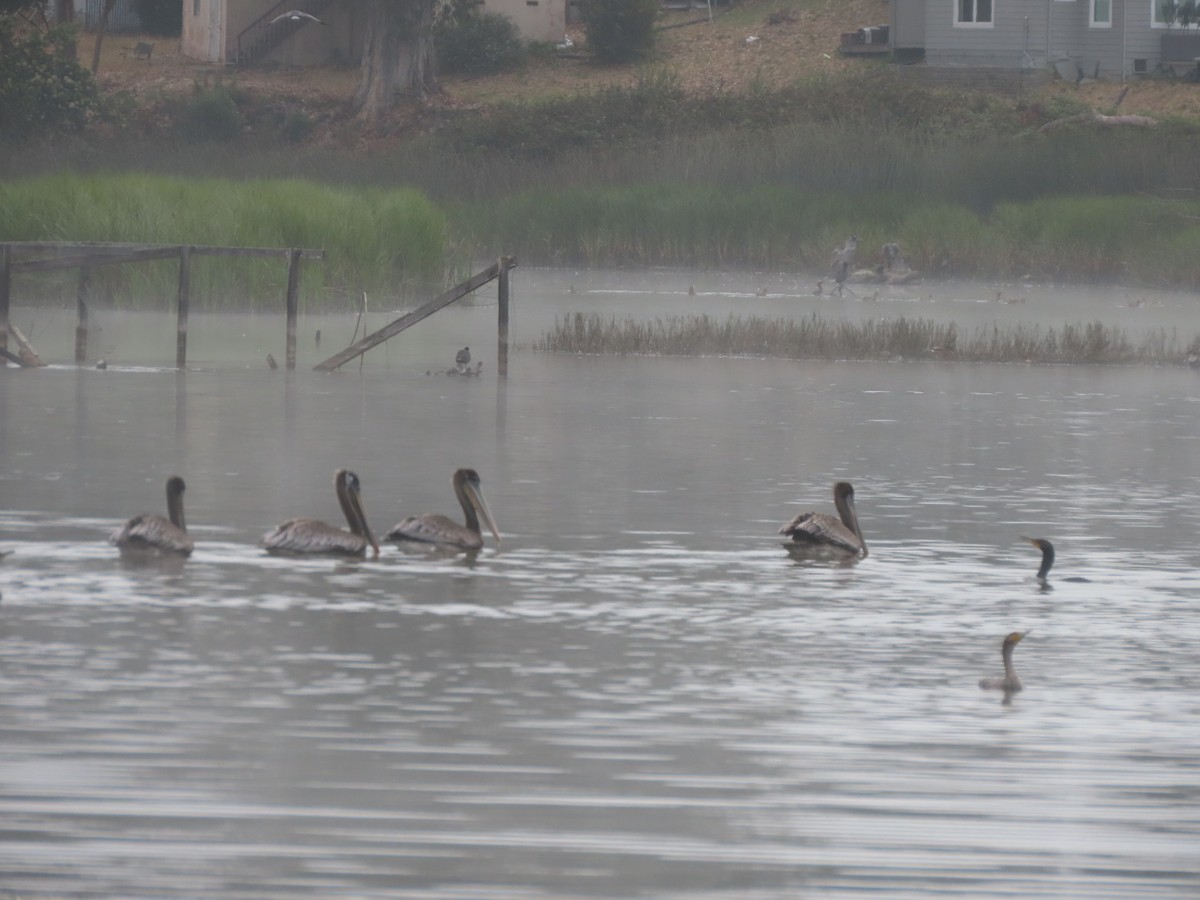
(906,25)
(1018,37)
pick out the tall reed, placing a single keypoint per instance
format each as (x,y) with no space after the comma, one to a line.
(814,337)
(374,240)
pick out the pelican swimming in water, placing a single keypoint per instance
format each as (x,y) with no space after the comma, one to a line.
(434,528)
(1009,683)
(150,534)
(304,536)
(1047,549)
(823,531)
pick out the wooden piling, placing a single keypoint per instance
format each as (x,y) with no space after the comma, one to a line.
(185,275)
(5,293)
(502,324)
(293,305)
(82,295)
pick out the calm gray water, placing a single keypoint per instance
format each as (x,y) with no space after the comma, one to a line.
(640,693)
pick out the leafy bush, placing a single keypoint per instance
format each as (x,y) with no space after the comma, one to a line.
(210,115)
(42,87)
(470,41)
(163,17)
(619,30)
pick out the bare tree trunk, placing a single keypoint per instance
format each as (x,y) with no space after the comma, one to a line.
(108,7)
(397,55)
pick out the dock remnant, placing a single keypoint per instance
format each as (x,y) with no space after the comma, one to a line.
(498,270)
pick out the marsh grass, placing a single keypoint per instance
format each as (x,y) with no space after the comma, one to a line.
(814,337)
(376,240)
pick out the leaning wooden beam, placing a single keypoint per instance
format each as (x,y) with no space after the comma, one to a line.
(409,319)
(28,355)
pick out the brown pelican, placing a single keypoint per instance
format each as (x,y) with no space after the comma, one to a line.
(303,536)
(1047,549)
(1009,683)
(296,15)
(823,531)
(433,528)
(150,534)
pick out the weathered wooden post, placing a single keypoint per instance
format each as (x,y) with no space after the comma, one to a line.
(5,291)
(502,325)
(185,266)
(82,295)
(293,291)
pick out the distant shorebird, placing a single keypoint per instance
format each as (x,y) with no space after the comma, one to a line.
(462,358)
(296,15)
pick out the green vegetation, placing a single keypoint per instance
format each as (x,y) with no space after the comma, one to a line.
(377,240)
(42,88)
(474,42)
(879,339)
(210,114)
(1141,238)
(619,30)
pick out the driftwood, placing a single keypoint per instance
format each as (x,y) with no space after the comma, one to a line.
(1096,118)
(28,356)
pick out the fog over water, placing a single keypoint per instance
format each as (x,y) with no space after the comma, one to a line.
(640,692)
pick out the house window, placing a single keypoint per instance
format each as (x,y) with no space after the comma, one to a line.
(1163,15)
(973,12)
(1101,14)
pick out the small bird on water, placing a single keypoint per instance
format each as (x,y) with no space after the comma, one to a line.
(1009,683)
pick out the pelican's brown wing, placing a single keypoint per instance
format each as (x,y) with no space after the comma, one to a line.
(150,533)
(312,536)
(434,528)
(822,530)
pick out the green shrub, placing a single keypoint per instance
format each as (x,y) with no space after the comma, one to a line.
(470,41)
(42,87)
(619,30)
(297,126)
(210,115)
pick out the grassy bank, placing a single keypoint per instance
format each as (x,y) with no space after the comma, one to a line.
(376,240)
(884,339)
(1141,239)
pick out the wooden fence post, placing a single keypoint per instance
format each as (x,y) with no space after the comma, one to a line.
(185,264)
(5,292)
(293,291)
(502,325)
(82,295)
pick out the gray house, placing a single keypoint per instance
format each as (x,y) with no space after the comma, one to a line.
(1104,38)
